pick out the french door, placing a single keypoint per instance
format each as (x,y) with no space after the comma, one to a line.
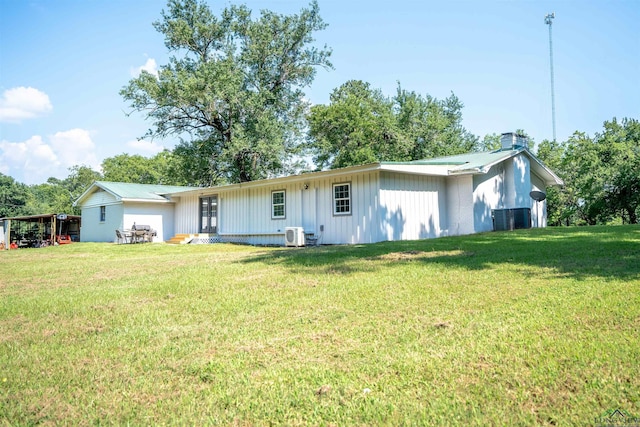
(209,214)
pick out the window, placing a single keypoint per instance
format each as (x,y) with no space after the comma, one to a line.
(342,199)
(278,204)
(103,213)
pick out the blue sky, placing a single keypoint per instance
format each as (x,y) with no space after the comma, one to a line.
(63,62)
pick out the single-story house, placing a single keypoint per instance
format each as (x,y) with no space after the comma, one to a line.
(110,206)
(382,201)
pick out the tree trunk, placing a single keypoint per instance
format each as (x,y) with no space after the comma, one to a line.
(633,218)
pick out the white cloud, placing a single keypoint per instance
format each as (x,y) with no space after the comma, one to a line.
(21,103)
(75,147)
(145,148)
(35,160)
(150,66)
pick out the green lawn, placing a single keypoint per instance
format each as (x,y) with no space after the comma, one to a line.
(520,328)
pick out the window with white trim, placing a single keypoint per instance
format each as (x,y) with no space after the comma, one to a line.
(278,201)
(342,199)
(103,213)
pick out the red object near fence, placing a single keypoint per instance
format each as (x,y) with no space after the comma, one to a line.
(63,239)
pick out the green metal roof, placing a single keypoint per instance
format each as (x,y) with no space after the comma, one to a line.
(481,163)
(129,191)
(126,190)
(467,161)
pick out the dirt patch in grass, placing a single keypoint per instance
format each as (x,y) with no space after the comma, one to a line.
(415,255)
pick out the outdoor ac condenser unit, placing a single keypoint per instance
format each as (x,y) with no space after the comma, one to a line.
(294,236)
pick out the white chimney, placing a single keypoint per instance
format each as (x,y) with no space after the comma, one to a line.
(513,141)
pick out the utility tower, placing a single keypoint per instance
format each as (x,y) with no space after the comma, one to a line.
(549,21)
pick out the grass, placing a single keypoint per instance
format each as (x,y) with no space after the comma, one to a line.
(521,328)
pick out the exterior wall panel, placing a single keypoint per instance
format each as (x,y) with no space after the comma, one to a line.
(158,216)
(93,230)
(186,214)
(488,194)
(460,205)
(100,198)
(410,206)
(538,209)
(517,182)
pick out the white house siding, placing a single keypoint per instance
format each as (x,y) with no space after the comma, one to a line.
(248,211)
(517,182)
(460,205)
(186,214)
(411,206)
(100,198)
(488,194)
(359,226)
(538,209)
(244,214)
(93,230)
(157,215)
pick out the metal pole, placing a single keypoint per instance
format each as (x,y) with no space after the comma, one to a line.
(548,20)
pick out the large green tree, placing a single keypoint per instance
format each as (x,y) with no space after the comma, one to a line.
(601,175)
(233,91)
(618,151)
(357,127)
(362,125)
(59,195)
(432,126)
(141,170)
(52,197)
(15,197)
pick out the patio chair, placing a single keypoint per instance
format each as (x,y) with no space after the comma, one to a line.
(123,237)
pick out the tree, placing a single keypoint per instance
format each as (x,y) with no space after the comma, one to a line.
(51,197)
(358,127)
(361,125)
(619,147)
(490,142)
(79,179)
(602,174)
(560,209)
(235,95)
(142,170)
(433,127)
(14,197)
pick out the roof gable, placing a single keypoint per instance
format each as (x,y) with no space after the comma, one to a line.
(126,191)
(481,162)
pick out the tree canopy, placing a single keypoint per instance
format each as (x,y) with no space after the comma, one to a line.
(159,169)
(233,90)
(362,125)
(601,174)
(357,127)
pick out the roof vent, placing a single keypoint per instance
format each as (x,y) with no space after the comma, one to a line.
(511,141)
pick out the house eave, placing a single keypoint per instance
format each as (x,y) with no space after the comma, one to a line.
(415,169)
(280,180)
(126,200)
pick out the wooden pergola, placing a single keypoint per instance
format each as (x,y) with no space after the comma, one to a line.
(39,230)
